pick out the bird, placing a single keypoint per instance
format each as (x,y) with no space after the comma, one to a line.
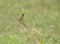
(21,17)
(21,20)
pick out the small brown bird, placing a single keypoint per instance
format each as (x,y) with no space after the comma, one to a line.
(21,18)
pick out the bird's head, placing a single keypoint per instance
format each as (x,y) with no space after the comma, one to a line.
(22,14)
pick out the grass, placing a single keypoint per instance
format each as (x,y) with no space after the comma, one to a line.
(41,17)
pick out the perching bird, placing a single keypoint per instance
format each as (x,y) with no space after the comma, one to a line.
(21,18)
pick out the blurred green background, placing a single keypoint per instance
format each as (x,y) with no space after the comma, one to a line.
(41,16)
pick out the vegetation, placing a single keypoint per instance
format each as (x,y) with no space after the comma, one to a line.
(42,17)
